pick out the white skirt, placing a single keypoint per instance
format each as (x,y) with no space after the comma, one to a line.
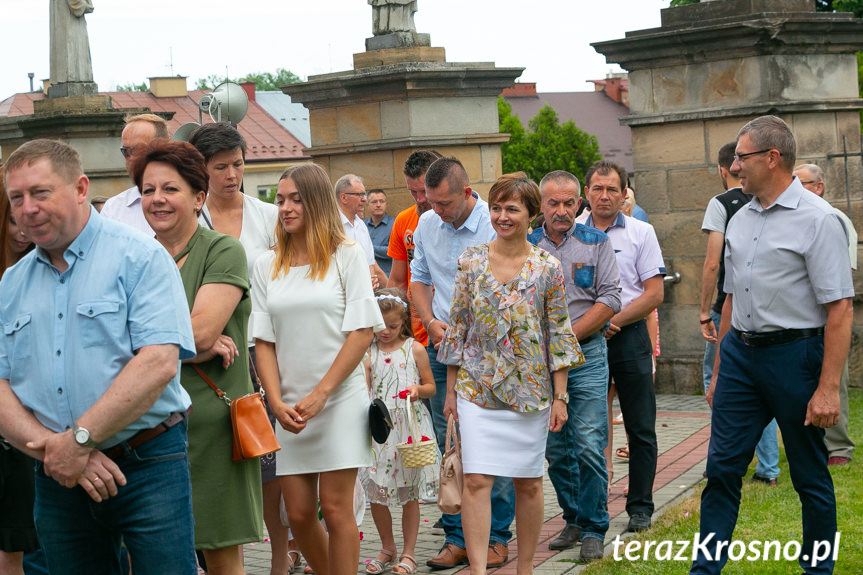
(501,442)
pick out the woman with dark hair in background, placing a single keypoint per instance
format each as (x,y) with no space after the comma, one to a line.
(17,531)
(226,494)
(230,211)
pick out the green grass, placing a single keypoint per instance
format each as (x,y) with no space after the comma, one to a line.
(766,513)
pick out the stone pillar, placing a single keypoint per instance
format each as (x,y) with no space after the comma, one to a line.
(693,83)
(402,95)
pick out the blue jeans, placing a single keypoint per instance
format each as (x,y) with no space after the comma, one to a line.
(152,514)
(756,385)
(767,450)
(502,492)
(576,462)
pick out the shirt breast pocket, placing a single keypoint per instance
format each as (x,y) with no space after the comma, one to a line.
(582,275)
(100,322)
(18,337)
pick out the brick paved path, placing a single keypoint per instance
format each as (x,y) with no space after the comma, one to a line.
(683,430)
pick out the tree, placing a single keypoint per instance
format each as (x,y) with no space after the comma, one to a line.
(547,145)
(262,80)
(132,87)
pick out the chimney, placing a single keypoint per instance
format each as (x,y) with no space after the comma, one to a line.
(168,86)
(46,83)
(249,88)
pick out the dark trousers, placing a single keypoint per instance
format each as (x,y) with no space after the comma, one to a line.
(754,386)
(630,365)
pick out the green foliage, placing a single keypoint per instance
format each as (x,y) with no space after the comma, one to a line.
(547,145)
(132,87)
(675,3)
(262,80)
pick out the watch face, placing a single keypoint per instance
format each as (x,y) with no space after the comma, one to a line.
(82,436)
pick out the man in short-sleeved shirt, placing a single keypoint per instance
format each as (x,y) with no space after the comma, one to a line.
(576,462)
(95,321)
(719,211)
(630,354)
(401,248)
(786,325)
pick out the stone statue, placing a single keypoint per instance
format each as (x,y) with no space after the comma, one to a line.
(389,16)
(70,46)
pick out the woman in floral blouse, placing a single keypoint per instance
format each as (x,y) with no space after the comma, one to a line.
(509,347)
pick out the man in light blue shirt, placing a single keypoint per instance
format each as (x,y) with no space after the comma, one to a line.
(459,219)
(95,322)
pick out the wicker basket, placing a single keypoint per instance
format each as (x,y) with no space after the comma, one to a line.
(418,453)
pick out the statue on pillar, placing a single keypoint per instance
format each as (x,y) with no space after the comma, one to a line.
(70,45)
(389,16)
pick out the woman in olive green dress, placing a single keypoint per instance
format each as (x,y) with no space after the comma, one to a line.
(226,494)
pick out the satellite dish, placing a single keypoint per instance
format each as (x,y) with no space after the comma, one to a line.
(185,131)
(227,103)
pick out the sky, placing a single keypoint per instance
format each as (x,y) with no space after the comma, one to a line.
(131,40)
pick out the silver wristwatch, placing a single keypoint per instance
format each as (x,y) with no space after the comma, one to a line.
(82,436)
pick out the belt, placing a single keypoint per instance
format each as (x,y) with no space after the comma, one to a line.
(143,436)
(765,338)
(591,337)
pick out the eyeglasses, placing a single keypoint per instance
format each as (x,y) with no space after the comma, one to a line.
(127,152)
(807,182)
(354,194)
(740,157)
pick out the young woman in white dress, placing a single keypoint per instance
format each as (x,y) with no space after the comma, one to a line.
(313,318)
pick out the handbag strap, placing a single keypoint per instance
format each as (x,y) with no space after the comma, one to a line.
(222,395)
(452,437)
(257,377)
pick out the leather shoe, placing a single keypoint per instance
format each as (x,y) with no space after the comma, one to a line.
(764,480)
(497,554)
(569,537)
(591,549)
(449,556)
(838,460)
(639,522)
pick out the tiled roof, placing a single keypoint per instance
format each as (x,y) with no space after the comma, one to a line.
(593,112)
(266,139)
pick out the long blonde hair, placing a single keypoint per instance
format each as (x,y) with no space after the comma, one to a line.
(323,226)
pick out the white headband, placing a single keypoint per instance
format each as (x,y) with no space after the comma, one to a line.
(392,297)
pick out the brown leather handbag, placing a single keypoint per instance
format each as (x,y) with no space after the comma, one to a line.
(253,434)
(451,474)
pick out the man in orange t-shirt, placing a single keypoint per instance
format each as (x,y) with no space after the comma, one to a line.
(401,248)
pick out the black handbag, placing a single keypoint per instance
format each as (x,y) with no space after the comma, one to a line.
(380,422)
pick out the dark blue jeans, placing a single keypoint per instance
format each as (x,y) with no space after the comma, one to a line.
(502,492)
(754,386)
(576,462)
(152,514)
(630,365)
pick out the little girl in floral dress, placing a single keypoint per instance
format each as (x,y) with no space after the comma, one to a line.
(399,373)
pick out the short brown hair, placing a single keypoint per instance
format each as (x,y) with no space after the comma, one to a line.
(519,186)
(160,125)
(65,160)
(604,168)
(182,156)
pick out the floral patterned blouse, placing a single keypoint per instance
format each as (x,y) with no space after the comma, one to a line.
(507,339)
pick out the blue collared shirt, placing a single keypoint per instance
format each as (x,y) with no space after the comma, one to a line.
(68,335)
(785,261)
(589,268)
(437,247)
(380,235)
(638,255)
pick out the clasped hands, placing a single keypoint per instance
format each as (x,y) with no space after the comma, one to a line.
(294,418)
(71,464)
